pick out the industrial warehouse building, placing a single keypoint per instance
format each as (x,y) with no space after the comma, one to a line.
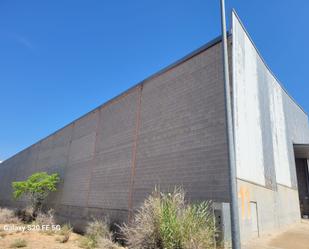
(170,130)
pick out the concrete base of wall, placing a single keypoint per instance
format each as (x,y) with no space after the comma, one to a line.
(79,216)
(262,210)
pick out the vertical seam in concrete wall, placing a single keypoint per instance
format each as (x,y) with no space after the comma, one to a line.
(67,162)
(94,155)
(134,150)
(37,158)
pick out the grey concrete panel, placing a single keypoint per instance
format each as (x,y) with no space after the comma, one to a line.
(267,124)
(297,131)
(110,177)
(182,136)
(117,123)
(86,125)
(63,136)
(264,110)
(32,161)
(82,148)
(10,172)
(76,184)
(5,173)
(44,159)
(264,89)
(59,156)
(59,159)
(275,209)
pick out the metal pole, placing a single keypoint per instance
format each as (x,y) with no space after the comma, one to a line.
(230,138)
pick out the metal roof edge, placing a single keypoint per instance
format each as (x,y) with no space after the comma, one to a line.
(158,73)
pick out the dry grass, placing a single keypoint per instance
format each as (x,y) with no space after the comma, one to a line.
(19,243)
(64,233)
(26,214)
(96,230)
(8,216)
(38,240)
(143,232)
(166,221)
(102,243)
(98,235)
(88,243)
(108,244)
(34,239)
(45,218)
(2,234)
(99,228)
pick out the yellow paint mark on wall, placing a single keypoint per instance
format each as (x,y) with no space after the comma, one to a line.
(248,204)
(244,195)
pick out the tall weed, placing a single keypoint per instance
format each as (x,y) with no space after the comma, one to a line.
(167,221)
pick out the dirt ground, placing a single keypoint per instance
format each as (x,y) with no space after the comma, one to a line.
(293,237)
(37,240)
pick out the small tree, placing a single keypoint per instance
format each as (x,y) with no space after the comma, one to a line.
(36,188)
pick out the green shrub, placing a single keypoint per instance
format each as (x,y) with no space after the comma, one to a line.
(166,221)
(18,243)
(199,226)
(36,188)
(88,243)
(102,243)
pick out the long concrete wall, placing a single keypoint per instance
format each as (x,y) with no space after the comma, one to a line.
(267,123)
(170,130)
(167,131)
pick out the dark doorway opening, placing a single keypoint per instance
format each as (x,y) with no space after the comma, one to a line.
(303,185)
(301,152)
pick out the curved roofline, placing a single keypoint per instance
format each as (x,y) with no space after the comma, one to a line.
(266,65)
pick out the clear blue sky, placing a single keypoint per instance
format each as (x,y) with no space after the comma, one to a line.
(60,59)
